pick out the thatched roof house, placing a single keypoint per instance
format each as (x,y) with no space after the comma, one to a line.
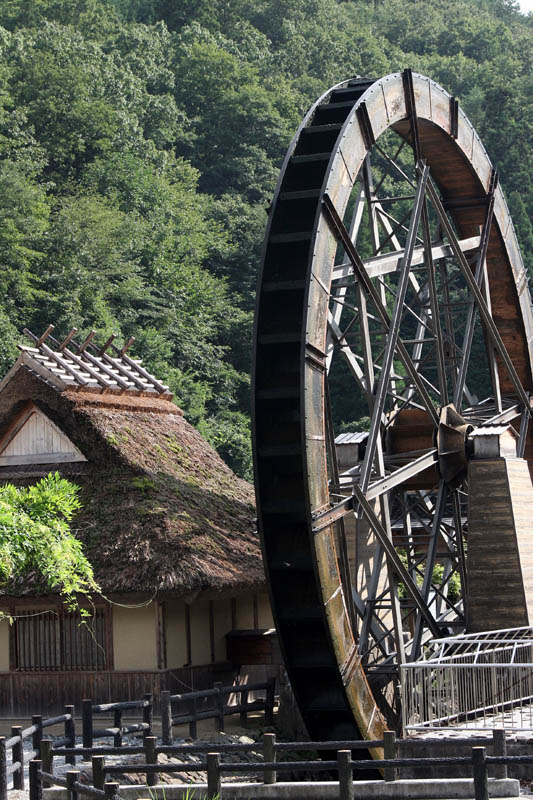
(163,517)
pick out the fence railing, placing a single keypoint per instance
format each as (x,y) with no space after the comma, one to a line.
(90,733)
(39,778)
(13,769)
(478,690)
(41,771)
(220,709)
(20,757)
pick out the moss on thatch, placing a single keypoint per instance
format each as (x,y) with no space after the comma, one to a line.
(161,510)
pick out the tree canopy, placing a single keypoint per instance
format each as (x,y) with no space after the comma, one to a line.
(35,536)
(140,141)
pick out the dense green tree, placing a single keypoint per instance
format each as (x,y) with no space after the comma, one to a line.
(35,535)
(140,142)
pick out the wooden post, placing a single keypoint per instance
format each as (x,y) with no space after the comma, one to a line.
(47,758)
(243,718)
(150,755)
(499,748)
(3,768)
(213,775)
(220,706)
(87,722)
(269,756)
(111,790)
(70,733)
(72,777)
(38,735)
(166,717)
(344,761)
(98,763)
(18,755)
(193,731)
(36,782)
(270,695)
(117,723)
(148,714)
(389,752)
(479,769)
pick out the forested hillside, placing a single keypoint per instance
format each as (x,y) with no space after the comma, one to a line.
(140,142)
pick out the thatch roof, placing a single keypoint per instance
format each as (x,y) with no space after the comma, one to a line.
(161,510)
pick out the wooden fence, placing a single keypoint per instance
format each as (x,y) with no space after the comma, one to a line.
(41,771)
(67,745)
(220,709)
(90,733)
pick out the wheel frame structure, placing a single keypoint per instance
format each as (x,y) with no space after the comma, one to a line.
(301,526)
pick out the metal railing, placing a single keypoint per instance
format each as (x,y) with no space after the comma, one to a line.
(474,682)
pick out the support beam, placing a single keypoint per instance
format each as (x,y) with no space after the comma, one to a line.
(396,562)
(478,275)
(393,333)
(490,325)
(341,233)
(388,262)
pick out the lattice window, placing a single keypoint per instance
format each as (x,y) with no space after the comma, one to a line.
(59,641)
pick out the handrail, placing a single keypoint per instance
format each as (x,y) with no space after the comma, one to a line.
(343,765)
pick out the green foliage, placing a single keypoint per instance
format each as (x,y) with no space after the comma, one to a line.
(35,536)
(140,142)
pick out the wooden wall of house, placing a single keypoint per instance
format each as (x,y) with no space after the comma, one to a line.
(4,645)
(135,637)
(164,645)
(195,633)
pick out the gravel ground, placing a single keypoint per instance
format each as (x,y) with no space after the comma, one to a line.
(85,768)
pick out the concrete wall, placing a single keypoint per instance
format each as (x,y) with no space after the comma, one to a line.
(134,638)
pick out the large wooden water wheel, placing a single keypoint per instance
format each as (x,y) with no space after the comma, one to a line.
(391,280)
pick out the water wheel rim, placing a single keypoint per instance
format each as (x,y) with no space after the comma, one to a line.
(327,676)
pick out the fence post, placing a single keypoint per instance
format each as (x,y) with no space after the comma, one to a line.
(18,755)
(87,722)
(72,778)
(389,752)
(38,735)
(193,732)
(166,717)
(220,706)
(117,723)
(150,755)
(111,790)
(36,782)
(70,733)
(98,763)
(213,775)
(243,717)
(479,769)
(269,701)
(344,761)
(47,758)
(3,768)
(269,756)
(499,748)
(148,714)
